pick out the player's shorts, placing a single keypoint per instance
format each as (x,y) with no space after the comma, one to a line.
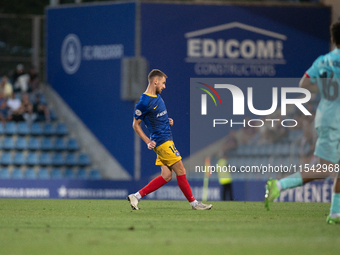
(167,154)
(328,144)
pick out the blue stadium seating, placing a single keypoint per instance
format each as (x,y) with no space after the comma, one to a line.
(33,144)
(17,173)
(95,174)
(19,159)
(21,144)
(48,129)
(2,130)
(59,144)
(36,129)
(83,160)
(32,159)
(72,144)
(56,173)
(46,144)
(6,158)
(4,173)
(82,174)
(71,159)
(10,128)
(69,173)
(30,173)
(43,173)
(58,159)
(23,128)
(8,143)
(61,129)
(45,159)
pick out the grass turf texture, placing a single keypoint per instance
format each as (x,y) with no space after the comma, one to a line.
(164,227)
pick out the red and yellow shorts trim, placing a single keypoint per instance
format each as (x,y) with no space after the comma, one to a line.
(167,154)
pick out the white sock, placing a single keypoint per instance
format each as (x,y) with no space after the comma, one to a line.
(137,195)
(193,203)
(334,215)
(279,186)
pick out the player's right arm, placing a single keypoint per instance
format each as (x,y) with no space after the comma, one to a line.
(136,126)
(306,83)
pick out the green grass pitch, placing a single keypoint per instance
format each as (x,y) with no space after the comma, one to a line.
(83,227)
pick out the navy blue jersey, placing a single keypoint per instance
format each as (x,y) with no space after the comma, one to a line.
(151,109)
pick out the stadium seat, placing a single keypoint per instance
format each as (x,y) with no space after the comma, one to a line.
(17,173)
(33,144)
(59,144)
(10,128)
(8,143)
(83,160)
(4,173)
(71,159)
(58,159)
(19,159)
(95,174)
(69,173)
(36,129)
(61,129)
(56,173)
(21,144)
(48,129)
(43,173)
(23,128)
(53,116)
(45,159)
(32,159)
(30,173)
(72,144)
(6,158)
(46,144)
(82,174)
(2,130)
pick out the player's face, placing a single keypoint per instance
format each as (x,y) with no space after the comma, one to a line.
(160,85)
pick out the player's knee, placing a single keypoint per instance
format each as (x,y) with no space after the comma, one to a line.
(167,177)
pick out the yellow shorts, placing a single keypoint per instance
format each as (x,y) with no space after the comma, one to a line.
(167,154)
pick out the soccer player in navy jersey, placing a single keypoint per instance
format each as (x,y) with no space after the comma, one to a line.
(151,109)
(322,77)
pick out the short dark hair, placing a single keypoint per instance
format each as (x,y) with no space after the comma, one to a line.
(335,32)
(156,72)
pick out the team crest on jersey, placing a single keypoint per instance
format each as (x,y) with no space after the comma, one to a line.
(138,112)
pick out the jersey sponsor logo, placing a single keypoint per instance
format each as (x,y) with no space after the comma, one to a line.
(232,54)
(138,112)
(155,107)
(162,113)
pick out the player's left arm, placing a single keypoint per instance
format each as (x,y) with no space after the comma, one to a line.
(171,122)
(306,83)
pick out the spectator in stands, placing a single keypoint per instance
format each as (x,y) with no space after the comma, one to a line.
(6,87)
(34,82)
(41,109)
(18,72)
(27,109)
(3,107)
(15,110)
(20,79)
